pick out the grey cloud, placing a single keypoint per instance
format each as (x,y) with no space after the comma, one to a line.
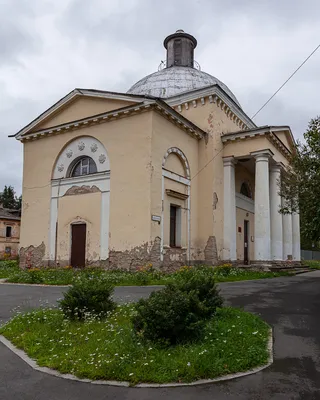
(15,31)
(110,46)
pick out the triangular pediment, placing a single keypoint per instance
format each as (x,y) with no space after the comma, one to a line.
(79,104)
(286,138)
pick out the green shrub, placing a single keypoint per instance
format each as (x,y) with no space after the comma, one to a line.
(223,270)
(168,316)
(8,264)
(88,297)
(203,289)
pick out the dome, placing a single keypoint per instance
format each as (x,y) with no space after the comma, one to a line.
(179,76)
(175,80)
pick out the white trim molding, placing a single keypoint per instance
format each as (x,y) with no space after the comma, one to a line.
(82,146)
(183,180)
(244,202)
(62,185)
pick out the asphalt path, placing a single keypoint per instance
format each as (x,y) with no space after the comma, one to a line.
(290,304)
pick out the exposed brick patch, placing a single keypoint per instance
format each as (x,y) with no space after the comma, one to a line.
(210,251)
(214,201)
(173,259)
(32,256)
(137,256)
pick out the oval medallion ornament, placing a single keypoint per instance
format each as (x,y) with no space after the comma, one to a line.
(102,158)
(69,153)
(81,146)
(94,147)
(60,167)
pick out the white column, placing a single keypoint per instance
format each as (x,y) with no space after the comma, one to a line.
(229,201)
(296,250)
(287,236)
(53,228)
(262,206)
(275,216)
(104,225)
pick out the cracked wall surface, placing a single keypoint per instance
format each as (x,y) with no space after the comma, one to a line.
(32,256)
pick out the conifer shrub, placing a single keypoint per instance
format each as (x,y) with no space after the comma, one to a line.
(177,313)
(87,298)
(168,317)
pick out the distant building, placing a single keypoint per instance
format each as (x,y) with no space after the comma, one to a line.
(171,172)
(9,233)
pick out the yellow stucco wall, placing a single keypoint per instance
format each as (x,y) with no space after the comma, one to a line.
(284,139)
(81,107)
(136,147)
(239,148)
(165,135)
(130,181)
(212,119)
(174,164)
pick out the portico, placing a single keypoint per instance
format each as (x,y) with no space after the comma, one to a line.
(254,229)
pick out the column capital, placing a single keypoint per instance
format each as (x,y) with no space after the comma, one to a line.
(262,155)
(229,161)
(277,167)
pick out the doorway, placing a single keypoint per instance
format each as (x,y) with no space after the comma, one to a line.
(246,242)
(78,245)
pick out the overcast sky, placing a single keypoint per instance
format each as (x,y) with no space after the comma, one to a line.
(49,47)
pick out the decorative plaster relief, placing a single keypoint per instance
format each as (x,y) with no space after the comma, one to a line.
(81,146)
(94,147)
(60,167)
(69,153)
(84,189)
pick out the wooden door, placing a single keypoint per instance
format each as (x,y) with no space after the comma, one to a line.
(246,242)
(78,245)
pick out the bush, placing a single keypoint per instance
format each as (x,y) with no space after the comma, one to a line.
(88,297)
(205,292)
(168,317)
(8,264)
(223,270)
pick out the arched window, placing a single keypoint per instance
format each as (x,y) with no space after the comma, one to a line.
(83,166)
(245,190)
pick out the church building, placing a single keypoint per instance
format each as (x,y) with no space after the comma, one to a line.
(171,172)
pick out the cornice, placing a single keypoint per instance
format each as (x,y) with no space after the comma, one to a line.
(70,97)
(213,94)
(170,114)
(247,135)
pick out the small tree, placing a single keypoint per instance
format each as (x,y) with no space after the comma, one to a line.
(8,199)
(300,185)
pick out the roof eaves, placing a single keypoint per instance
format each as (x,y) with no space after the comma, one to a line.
(183,119)
(79,121)
(204,91)
(68,97)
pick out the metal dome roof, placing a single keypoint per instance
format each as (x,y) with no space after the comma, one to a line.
(175,80)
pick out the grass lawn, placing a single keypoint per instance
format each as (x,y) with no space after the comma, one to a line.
(315,264)
(62,276)
(8,268)
(232,341)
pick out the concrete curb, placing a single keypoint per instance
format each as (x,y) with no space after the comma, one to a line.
(33,364)
(4,282)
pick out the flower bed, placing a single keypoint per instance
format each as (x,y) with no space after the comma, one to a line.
(108,349)
(143,275)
